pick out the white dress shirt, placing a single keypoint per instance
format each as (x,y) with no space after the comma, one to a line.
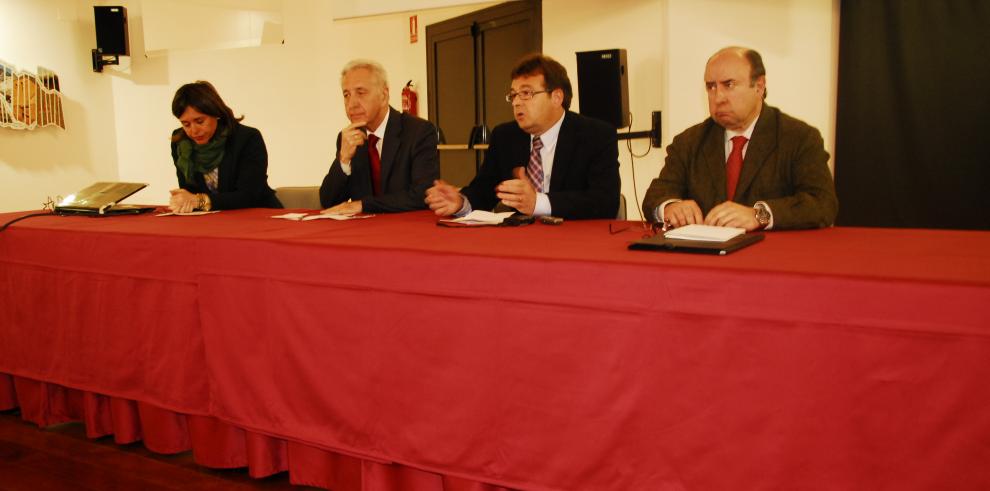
(549,140)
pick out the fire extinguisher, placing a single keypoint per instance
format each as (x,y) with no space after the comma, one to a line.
(409,96)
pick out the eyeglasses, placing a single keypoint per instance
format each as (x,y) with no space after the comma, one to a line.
(524,95)
(649,229)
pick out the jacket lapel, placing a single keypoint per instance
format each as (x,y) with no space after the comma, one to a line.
(390,147)
(360,180)
(566,143)
(225,170)
(713,162)
(763,143)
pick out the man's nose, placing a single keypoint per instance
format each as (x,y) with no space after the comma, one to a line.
(720,94)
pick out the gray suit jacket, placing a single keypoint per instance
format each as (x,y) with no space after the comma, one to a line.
(786,166)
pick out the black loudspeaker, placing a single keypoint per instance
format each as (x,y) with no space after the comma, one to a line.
(111,30)
(603,87)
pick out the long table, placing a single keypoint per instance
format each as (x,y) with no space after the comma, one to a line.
(389,352)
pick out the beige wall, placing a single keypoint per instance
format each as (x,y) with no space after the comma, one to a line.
(798,40)
(290,92)
(58,35)
(668,43)
(637,26)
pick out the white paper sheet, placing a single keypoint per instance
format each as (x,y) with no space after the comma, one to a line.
(707,233)
(481,217)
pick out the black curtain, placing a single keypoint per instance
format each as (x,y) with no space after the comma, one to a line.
(913,116)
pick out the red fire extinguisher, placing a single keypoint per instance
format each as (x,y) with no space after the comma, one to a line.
(409,97)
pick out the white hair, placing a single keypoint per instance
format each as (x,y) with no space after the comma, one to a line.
(376,69)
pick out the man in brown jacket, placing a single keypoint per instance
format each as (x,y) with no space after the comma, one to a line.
(749,165)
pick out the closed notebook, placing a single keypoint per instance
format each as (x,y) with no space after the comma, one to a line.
(721,248)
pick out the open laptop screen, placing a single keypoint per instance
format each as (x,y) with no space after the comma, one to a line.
(102,198)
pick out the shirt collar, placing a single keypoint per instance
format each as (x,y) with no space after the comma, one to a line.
(748,132)
(549,137)
(380,131)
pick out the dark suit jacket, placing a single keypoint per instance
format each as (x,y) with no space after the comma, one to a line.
(410,164)
(786,166)
(243,172)
(585,178)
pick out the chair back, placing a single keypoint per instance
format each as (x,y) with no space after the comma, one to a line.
(307,197)
(621,215)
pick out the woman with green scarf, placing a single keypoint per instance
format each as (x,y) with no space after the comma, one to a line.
(221,164)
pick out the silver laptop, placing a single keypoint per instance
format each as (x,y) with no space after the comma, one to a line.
(102,198)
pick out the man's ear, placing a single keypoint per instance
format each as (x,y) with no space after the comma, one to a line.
(761,83)
(557,96)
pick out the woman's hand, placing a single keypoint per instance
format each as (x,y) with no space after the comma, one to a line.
(182,201)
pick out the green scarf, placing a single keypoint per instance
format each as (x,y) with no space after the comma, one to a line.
(200,159)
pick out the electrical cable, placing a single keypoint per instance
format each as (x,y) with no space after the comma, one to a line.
(632,167)
(46,214)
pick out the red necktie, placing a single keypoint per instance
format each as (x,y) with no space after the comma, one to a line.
(733,166)
(376,164)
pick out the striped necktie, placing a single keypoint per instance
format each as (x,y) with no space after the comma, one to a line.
(535,168)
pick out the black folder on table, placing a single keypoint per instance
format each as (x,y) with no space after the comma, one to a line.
(660,243)
(102,199)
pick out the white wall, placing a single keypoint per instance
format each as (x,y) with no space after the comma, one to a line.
(118,122)
(798,40)
(570,26)
(668,43)
(290,92)
(58,35)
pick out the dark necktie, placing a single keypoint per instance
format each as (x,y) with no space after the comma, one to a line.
(376,164)
(733,166)
(535,168)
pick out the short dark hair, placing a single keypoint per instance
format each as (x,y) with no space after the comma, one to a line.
(756,68)
(554,74)
(205,98)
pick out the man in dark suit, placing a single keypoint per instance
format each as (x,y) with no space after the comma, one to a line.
(394,170)
(749,165)
(550,161)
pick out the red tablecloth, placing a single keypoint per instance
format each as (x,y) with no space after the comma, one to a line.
(538,357)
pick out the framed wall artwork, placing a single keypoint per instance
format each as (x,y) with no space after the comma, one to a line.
(29,101)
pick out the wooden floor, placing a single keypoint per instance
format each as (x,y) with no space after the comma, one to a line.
(61,457)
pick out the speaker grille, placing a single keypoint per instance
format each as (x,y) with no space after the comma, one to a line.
(111,30)
(603,89)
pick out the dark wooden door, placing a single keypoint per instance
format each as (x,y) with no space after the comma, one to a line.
(469,59)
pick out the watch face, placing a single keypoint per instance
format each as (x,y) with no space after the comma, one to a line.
(762,215)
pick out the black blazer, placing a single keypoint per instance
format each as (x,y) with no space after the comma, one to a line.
(786,166)
(585,178)
(243,172)
(410,164)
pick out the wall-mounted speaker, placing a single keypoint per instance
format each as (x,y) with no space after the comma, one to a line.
(111,30)
(603,88)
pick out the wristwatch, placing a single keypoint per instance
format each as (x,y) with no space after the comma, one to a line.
(762,214)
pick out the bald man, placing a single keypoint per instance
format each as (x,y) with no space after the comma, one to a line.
(749,165)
